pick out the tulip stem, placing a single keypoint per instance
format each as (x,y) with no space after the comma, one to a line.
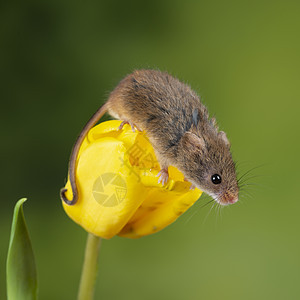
(89,268)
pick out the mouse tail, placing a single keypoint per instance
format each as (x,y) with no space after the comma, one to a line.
(73,158)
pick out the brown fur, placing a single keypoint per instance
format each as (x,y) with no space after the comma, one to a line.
(179,129)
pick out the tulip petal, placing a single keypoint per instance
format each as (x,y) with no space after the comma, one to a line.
(118,189)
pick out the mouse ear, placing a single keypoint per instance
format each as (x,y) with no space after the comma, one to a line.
(192,141)
(223,136)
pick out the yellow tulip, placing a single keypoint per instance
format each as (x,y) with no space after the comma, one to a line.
(118,187)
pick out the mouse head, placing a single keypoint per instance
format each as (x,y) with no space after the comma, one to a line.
(208,164)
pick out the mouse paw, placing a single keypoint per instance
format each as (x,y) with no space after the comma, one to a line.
(192,187)
(131,124)
(163,175)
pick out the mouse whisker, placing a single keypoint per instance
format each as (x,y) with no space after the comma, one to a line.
(239,163)
(248,178)
(249,171)
(254,186)
(246,193)
(198,209)
(190,217)
(218,213)
(200,201)
(241,199)
(209,210)
(249,184)
(248,196)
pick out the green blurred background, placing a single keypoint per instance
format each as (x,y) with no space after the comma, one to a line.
(58,62)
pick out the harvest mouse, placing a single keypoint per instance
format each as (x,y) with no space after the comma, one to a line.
(179,129)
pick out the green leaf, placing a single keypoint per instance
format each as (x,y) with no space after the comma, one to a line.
(21,274)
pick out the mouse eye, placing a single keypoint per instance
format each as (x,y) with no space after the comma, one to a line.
(216,179)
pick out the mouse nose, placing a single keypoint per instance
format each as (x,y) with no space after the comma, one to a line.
(233,200)
(228,198)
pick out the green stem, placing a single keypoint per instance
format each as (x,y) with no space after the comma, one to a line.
(90,267)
